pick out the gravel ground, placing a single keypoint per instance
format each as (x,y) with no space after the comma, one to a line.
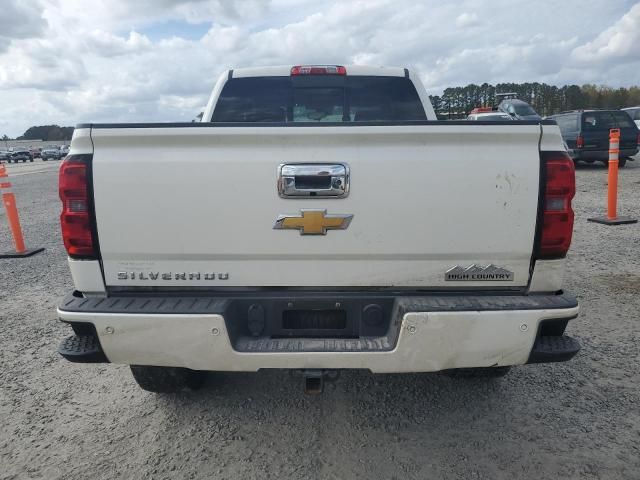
(571,420)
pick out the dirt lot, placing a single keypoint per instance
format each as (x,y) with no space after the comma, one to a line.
(574,420)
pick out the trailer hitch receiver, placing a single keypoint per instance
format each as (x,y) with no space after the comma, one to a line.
(313,380)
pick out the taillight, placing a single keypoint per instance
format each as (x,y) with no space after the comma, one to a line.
(75,219)
(557,214)
(638,141)
(580,141)
(318,70)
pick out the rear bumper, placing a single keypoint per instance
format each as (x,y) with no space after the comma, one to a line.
(600,155)
(425,333)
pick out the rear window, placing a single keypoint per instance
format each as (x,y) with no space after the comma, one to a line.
(623,120)
(606,120)
(523,109)
(567,123)
(318,99)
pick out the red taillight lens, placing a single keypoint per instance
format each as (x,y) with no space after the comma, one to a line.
(580,141)
(557,215)
(75,219)
(318,70)
(638,141)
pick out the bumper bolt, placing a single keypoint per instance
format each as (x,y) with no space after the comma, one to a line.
(524,327)
(215,331)
(412,328)
(338,305)
(109,330)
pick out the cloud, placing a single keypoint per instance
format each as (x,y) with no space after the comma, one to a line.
(77,64)
(117,16)
(618,43)
(38,64)
(466,20)
(105,44)
(20,20)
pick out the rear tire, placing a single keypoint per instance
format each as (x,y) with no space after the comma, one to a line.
(487,373)
(166,379)
(621,162)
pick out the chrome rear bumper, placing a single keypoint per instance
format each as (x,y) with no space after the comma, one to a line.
(425,333)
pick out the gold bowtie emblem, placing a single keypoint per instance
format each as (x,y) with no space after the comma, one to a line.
(313,222)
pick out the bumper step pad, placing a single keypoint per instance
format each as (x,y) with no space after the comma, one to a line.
(82,349)
(558,348)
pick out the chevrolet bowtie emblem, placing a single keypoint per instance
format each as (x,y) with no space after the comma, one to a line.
(313,222)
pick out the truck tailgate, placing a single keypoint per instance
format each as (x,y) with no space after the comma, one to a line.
(195,206)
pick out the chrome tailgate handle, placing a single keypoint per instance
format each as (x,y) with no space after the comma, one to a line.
(313,180)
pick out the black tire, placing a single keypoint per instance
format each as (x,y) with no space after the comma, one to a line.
(166,379)
(488,372)
(621,162)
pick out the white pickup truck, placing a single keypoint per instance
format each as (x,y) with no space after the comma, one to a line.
(319,218)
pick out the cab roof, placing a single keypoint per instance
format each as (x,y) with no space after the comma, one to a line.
(285,71)
(514,100)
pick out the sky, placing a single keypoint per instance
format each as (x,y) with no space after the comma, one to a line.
(73,61)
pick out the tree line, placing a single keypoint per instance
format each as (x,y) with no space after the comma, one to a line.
(45,132)
(457,102)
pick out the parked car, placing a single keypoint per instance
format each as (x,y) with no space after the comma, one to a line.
(304,274)
(36,152)
(4,156)
(634,113)
(52,154)
(518,109)
(490,117)
(586,133)
(20,155)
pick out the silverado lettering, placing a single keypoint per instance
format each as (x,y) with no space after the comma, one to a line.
(170,276)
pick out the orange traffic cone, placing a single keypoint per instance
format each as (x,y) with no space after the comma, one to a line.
(612,217)
(9,201)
